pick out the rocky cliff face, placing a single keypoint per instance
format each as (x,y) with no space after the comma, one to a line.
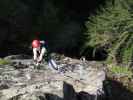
(74,80)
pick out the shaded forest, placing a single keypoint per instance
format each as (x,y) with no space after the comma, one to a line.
(62,20)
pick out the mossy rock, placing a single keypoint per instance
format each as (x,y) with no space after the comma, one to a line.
(4,62)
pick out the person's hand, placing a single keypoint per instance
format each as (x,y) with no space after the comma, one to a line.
(42,42)
(39,61)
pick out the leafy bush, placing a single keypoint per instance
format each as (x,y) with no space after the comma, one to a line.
(120,70)
(111,29)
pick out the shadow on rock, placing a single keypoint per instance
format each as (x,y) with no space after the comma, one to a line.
(86,96)
(52,97)
(70,94)
(116,91)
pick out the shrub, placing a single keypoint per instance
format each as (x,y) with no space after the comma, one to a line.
(111,29)
(120,70)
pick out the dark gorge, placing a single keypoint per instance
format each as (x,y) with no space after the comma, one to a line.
(63,20)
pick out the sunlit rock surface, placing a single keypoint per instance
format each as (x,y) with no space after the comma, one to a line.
(74,80)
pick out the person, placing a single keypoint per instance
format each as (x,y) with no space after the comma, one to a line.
(38,50)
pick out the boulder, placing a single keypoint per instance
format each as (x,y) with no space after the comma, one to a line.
(78,82)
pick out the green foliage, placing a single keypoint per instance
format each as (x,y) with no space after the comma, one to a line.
(127,51)
(4,62)
(107,24)
(121,51)
(120,70)
(111,28)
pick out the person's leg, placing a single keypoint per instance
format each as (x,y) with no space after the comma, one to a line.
(35,54)
(43,50)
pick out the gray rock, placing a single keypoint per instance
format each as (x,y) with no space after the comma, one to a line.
(72,83)
(19,56)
